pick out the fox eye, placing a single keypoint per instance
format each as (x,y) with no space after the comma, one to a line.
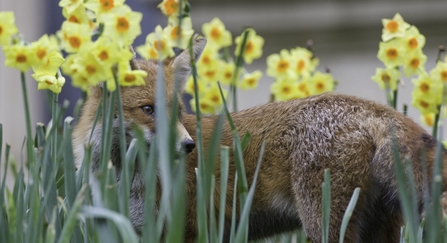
(147,109)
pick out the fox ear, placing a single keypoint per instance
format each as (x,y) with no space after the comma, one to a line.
(133,62)
(182,63)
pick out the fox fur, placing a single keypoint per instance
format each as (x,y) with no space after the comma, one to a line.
(352,137)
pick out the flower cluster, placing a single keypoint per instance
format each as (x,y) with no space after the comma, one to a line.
(43,55)
(90,62)
(296,76)
(216,64)
(401,47)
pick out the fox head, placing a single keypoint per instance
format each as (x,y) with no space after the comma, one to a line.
(139,105)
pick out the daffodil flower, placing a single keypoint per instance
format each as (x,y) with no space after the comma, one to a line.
(303,88)
(393,28)
(100,7)
(179,36)
(51,65)
(391,53)
(89,66)
(427,88)
(439,73)
(170,8)
(122,24)
(302,63)
(414,63)
(75,36)
(387,78)
(129,77)
(225,72)
(50,82)
(19,56)
(147,51)
(424,104)
(428,119)
(250,80)
(280,65)
(321,83)
(189,86)
(414,41)
(77,16)
(253,46)
(208,73)
(107,51)
(209,58)
(7,27)
(160,42)
(216,33)
(205,105)
(284,89)
(70,5)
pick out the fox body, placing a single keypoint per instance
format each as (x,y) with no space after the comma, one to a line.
(350,136)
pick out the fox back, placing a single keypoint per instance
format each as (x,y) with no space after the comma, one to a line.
(352,137)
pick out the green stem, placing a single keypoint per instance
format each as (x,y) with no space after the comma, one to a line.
(238,65)
(395,98)
(55,126)
(435,124)
(29,140)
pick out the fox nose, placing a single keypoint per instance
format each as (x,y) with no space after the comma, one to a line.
(188,145)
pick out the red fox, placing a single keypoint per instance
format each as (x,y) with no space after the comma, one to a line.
(350,136)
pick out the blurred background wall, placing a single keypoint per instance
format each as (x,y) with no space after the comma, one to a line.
(345,33)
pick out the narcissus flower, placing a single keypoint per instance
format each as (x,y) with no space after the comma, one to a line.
(129,77)
(439,73)
(50,82)
(303,88)
(391,53)
(253,46)
(414,41)
(321,83)
(208,74)
(387,78)
(75,36)
(226,72)
(103,6)
(250,80)
(43,48)
(19,56)
(216,33)
(122,24)
(428,119)
(414,63)
(426,88)
(89,66)
(82,82)
(106,51)
(209,57)
(303,61)
(147,51)
(393,28)
(284,89)
(205,106)
(7,27)
(170,8)
(179,36)
(78,16)
(70,5)
(51,64)
(189,86)
(160,41)
(280,65)
(425,105)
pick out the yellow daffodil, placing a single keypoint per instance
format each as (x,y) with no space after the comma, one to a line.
(100,7)
(147,51)
(67,67)
(424,104)
(179,36)
(428,119)
(170,8)
(78,16)
(213,95)
(7,27)
(129,77)
(321,83)
(82,82)
(393,28)
(89,66)
(226,72)
(414,63)
(205,105)
(284,89)
(439,73)
(253,46)
(50,82)
(391,53)
(122,24)
(414,41)
(19,56)
(107,51)
(280,65)
(387,78)
(425,87)
(208,74)
(51,65)
(209,57)
(303,87)
(302,62)
(160,41)
(70,5)
(189,86)
(250,80)
(75,36)
(216,33)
